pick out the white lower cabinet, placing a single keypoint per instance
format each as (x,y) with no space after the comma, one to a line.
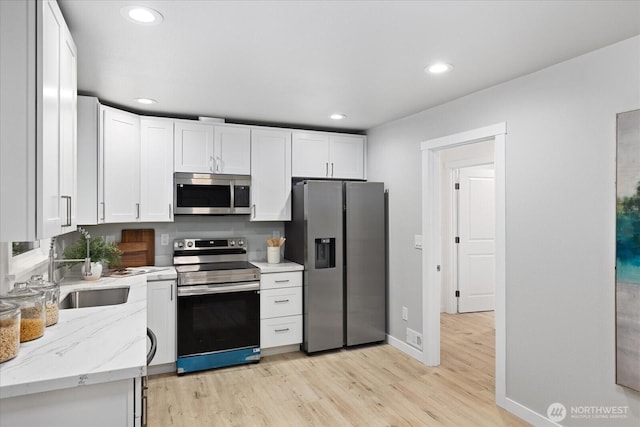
(115,403)
(280,309)
(161,319)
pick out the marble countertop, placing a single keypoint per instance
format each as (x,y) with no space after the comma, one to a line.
(281,267)
(87,346)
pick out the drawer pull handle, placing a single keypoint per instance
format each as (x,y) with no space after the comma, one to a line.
(282,330)
(282,281)
(278,301)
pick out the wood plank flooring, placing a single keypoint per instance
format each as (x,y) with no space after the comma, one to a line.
(367,386)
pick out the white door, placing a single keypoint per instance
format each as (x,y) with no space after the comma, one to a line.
(476,232)
(310,155)
(346,157)
(121,140)
(161,319)
(271,175)
(156,169)
(193,147)
(232,150)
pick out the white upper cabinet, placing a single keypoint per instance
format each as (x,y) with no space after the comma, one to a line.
(120,165)
(327,155)
(205,148)
(310,155)
(156,169)
(232,150)
(193,143)
(37,122)
(270,175)
(68,133)
(346,156)
(125,165)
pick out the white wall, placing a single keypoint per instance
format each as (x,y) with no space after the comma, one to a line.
(560,224)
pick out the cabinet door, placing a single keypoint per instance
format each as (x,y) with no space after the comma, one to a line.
(156,169)
(68,134)
(161,319)
(310,155)
(121,165)
(232,150)
(49,161)
(346,157)
(270,175)
(193,147)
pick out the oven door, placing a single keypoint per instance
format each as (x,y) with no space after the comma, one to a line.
(213,318)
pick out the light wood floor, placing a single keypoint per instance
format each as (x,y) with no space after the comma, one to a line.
(368,386)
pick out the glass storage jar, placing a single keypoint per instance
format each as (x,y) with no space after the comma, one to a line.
(9,330)
(51,297)
(32,314)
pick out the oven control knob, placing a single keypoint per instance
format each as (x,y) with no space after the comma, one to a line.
(189,244)
(180,245)
(240,242)
(232,242)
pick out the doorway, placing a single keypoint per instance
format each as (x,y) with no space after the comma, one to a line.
(432,234)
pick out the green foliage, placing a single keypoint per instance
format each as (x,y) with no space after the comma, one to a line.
(628,228)
(99,250)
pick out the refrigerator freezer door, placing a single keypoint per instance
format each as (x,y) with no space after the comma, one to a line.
(322,288)
(365,263)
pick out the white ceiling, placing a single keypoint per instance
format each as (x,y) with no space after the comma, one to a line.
(295,62)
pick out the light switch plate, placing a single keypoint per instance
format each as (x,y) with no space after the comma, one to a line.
(417,241)
(164,239)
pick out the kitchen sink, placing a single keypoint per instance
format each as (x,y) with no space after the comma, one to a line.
(95,297)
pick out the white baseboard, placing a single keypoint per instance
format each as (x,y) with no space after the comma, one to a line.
(405,348)
(526,414)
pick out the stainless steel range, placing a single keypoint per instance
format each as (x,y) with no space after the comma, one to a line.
(218,304)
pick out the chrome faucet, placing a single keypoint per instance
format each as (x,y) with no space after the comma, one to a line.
(53,260)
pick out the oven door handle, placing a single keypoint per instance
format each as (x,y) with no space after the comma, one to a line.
(217,289)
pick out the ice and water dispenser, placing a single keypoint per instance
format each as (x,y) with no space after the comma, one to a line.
(325,252)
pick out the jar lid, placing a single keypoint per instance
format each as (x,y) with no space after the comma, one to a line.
(8,308)
(38,283)
(21,292)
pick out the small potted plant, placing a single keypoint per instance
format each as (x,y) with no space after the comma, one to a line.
(101,253)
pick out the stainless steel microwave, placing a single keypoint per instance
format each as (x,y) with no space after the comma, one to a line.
(211,194)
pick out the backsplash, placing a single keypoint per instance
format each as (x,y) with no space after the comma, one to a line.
(190,226)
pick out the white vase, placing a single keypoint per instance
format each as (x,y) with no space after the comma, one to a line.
(96,271)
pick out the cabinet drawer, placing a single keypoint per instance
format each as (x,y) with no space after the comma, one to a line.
(281,331)
(280,280)
(280,302)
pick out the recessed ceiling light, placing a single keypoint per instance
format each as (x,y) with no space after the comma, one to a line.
(439,68)
(146,101)
(142,15)
(337,116)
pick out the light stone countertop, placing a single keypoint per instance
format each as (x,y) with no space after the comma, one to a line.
(87,346)
(281,267)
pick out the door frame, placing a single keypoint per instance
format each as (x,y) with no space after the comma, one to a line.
(432,233)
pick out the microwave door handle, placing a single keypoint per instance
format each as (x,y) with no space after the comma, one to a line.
(233,196)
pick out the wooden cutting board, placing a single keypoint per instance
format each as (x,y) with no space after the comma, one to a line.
(134,254)
(145,235)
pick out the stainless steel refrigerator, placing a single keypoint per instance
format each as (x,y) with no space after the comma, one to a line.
(337,232)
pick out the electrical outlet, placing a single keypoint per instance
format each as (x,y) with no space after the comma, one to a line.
(110,238)
(275,234)
(417,241)
(405,313)
(414,338)
(164,239)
